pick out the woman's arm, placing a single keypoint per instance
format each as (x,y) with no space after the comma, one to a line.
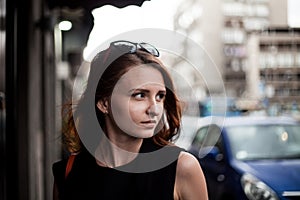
(55,192)
(190,182)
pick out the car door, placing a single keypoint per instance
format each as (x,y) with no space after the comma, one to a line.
(207,146)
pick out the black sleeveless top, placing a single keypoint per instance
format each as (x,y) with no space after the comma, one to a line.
(89,181)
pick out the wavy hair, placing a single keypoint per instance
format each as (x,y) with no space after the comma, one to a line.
(112,69)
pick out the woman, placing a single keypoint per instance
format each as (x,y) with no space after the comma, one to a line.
(132,156)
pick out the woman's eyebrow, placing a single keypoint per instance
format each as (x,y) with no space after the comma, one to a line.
(144,90)
(138,90)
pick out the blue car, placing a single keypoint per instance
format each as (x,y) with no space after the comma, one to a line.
(256,158)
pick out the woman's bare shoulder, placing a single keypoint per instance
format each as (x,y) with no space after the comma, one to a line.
(190,181)
(187,164)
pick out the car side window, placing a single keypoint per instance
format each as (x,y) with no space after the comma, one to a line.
(208,136)
(213,137)
(200,138)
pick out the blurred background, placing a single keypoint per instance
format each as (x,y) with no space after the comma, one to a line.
(255,45)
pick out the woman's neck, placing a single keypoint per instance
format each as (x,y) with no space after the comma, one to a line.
(117,151)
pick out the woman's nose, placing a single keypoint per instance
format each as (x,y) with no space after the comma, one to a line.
(153,110)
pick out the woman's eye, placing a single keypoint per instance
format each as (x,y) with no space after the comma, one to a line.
(138,96)
(160,97)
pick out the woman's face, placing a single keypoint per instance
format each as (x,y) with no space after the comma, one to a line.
(137,101)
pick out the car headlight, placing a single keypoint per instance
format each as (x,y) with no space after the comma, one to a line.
(256,189)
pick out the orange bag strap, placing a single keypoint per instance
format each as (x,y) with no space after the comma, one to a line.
(69,164)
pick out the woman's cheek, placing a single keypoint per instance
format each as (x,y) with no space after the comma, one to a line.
(136,110)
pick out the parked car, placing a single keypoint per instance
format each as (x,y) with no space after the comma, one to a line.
(256,158)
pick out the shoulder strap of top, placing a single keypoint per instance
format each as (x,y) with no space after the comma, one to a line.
(69,164)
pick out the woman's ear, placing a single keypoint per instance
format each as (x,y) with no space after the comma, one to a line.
(102,105)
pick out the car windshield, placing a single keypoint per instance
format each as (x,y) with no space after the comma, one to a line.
(264,141)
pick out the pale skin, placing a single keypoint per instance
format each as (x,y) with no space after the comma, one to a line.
(138,101)
(145,102)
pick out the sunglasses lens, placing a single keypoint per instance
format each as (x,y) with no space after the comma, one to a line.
(150,49)
(125,46)
(129,47)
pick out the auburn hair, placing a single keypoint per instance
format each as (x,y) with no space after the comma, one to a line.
(112,69)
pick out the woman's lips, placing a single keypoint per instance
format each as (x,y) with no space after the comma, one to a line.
(149,123)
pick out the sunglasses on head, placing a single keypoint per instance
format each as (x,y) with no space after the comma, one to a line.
(131,47)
